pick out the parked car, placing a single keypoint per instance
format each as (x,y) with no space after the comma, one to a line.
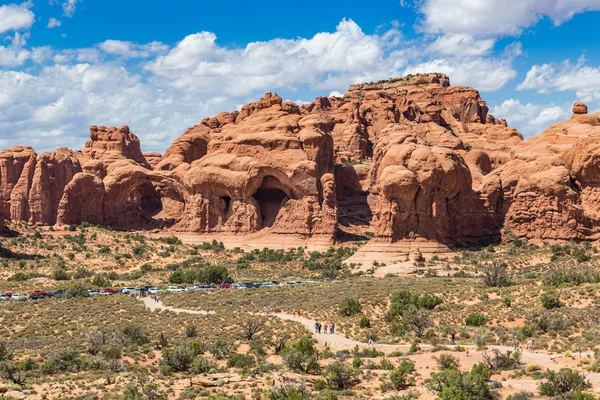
(9,294)
(4,297)
(36,296)
(93,292)
(202,286)
(127,290)
(175,289)
(55,293)
(107,291)
(18,296)
(246,285)
(153,290)
(225,285)
(268,284)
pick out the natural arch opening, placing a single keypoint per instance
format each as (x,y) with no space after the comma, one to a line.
(271,198)
(227,206)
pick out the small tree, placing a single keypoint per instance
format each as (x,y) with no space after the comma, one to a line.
(564,383)
(447,361)
(11,371)
(177,359)
(494,275)
(417,320)
(349,307)
(191,331)
(251,328)
(339,376)
(550,301)
(475,319)
(96,340)
(403,376)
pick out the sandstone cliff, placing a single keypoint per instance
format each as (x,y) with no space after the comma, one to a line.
(405,159)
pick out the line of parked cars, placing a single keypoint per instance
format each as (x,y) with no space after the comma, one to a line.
(146,290)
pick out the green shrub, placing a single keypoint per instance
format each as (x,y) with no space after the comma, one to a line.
(177,359)
(60,275)
(446,361)
(302,357)
(339,376)
(201,365)
(550,301)
(349,307)
(288,392)
(221,348)
(563,384)
(191,331)
(475,319)
(135,333)
(403,375)
(452,384)
(18,276)
(364,322)
(236,360)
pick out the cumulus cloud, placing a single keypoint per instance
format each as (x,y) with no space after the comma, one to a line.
(329,61)
(460,44)
(584,80)
(485,74)
(15,17)
(531,119)
(131,50)
(489,18)
(54,23)
(68,6)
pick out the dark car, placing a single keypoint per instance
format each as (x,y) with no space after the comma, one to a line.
(55,293)
(37,296)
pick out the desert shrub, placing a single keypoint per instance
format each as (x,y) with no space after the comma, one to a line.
(236,360)
(135,333)
(417,320)
(177,359)
(452,384)
(364,322)
(580,254)
(76,291)
(446,361)
(576,278)
(403,375)
(172,240)
(402,300)
(191,331)
(475,319)
(96,340)
(64,360)
(349,307)
(221,348)
(498,361)
(495,275)
(13,372)
(100,281)
(302,357)
(507,301)
(386,364)
(60,275)
(18,276)
(251,328)
(288,392)
(550,301)
(201,365)
(339,376)
(563,384)
(520,396)
(139,250)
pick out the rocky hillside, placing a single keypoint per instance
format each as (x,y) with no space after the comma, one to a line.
(403,159)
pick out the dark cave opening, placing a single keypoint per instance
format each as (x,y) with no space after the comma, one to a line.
(227,208)
(270,201)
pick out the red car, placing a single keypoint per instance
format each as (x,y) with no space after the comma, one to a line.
(8,294)
(39,292)
(225,285)
(108,291)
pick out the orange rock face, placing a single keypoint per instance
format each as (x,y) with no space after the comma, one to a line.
(404,159)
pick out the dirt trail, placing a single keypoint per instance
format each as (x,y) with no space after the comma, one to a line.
(153,306)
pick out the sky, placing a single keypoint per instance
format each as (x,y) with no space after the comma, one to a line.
(161,67)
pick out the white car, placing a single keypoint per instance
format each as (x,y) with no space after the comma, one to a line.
(153,290)
(18,296)
(175,289)
(269,284)
(4,297)
(201,286)
(127,290)
(93,292)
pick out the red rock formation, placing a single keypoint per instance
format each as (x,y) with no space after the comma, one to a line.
(417,160)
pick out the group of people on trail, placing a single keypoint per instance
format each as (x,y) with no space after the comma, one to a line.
(267,309)
(325,327)
(296,313)
(156,298)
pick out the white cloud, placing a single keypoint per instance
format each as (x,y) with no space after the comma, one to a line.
(68,6)
(490,18)
(54,23)
(580,78)
(15,17)
(132,50)
(485,74)
(329,61)
(531,119)
(460,44)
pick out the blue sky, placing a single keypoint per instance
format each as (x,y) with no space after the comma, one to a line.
(160,67)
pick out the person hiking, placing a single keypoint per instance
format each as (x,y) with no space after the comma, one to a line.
(325,326)
(320,327)
(298,313)
(370,341)
(207,309)
(453,337)
(294,312)
(530,345)
(316,326)
(265,309)
(331,328)
(467,351)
